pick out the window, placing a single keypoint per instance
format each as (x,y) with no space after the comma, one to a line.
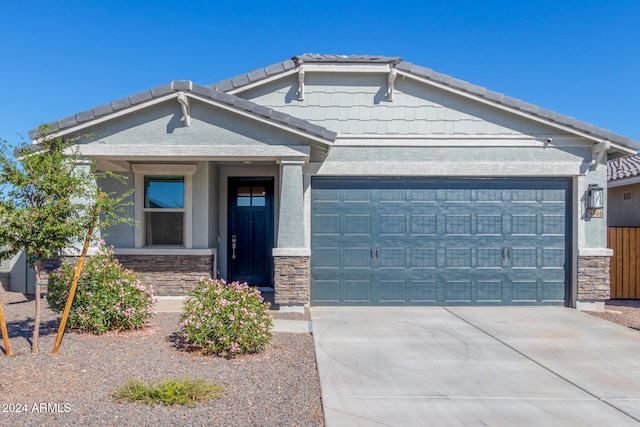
(626,195)
(163,205)
(164,210)
(251,195)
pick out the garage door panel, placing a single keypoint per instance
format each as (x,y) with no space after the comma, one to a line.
(357,257)
(424,224)
(359,194)
(553,291)
(392,291)
(553,258)
(392,257)
(458,224)
(423,258)
(326,224)
(357,224)
(423,195)
(490,257)
(553,224)
(524,257)
(440,241)
(524,291)
(393,224)
(357,291)
(490,291)
(423,291)
(489,225)
(326,257)
(326,291)
(524,225)
(457,258)
(457,291)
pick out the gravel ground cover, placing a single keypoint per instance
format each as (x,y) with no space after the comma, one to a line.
(278,387)
(622,312)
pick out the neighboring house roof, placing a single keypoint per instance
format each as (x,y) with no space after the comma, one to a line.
(623,167)
(188,86)
(238,82)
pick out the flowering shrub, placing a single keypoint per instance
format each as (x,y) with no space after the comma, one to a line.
(226,319)
(108,298)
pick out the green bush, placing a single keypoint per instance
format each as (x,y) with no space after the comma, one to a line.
(225,319)
(108,298)
(170,392)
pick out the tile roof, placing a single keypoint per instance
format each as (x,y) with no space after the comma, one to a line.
(428,74)
(217,92)
(623,167)
(199,90)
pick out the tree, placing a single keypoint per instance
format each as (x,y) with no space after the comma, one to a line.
(48,194)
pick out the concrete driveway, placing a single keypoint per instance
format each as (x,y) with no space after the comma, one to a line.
(475,366)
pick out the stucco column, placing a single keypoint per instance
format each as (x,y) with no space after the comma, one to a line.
(290,256)
(291,220)
(594,258)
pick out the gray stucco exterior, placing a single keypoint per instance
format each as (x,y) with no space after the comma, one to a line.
(316,116)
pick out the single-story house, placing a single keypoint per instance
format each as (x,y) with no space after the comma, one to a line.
(357,180)
(623,195)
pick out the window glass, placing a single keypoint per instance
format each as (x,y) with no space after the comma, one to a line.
(244,196)
(258,196)
(164,192)
(164,210)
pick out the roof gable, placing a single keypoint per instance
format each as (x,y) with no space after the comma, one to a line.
(172,90)
(425,75)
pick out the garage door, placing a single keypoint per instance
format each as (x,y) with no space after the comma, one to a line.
(380,241)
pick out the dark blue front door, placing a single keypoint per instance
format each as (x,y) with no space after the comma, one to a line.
(413,241)
(250,241)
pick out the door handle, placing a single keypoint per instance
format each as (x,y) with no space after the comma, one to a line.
(509,253)
(377,253)
(505,252)
(233,246)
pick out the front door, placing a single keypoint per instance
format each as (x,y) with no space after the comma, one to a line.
(250,240)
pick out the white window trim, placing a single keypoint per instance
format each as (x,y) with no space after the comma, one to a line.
(185,170)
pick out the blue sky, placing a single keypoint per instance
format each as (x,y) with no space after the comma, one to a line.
(580,58)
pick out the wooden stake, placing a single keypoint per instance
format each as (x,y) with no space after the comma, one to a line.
(5,335)
(76,277)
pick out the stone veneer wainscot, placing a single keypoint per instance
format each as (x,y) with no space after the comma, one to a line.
(594,282)
(292,280)
(170,273)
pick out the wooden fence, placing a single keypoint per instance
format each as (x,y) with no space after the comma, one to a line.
(625,282)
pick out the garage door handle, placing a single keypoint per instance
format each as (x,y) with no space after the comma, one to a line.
(504,254)
(509,252)
(377,253)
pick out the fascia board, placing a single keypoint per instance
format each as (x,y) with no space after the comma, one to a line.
(339,68)
(109,117)
(324,143)
(624,181)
